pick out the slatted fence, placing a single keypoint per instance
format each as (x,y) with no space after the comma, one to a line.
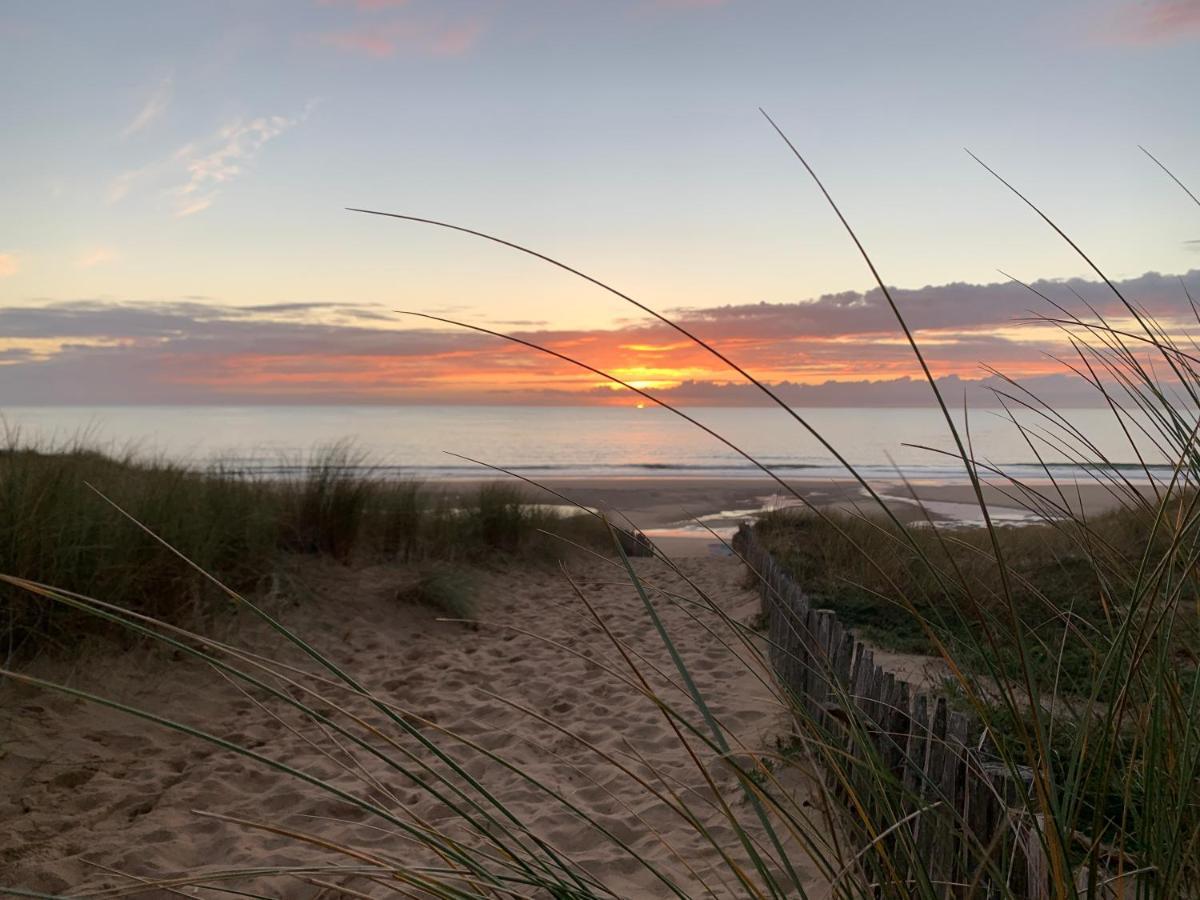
(915,759)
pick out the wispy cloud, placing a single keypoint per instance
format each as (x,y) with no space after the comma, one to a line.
(224,159)
(457,38)
(9,264)
(1152,22)
(191,207)
(193,175)
(156,104)
(380,40)
(97,257)
(119,187)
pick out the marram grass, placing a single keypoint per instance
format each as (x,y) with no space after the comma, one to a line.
(59,524)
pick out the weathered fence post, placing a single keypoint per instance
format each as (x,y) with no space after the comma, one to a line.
(968,841)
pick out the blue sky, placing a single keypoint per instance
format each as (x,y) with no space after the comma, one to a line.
(162,151)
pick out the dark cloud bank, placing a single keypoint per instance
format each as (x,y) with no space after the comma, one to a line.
(192,352)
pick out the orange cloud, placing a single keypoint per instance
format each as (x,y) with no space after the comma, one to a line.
(657,348)
(1153,22)
(9,264)
(386,39)
(458,38)
(95,352)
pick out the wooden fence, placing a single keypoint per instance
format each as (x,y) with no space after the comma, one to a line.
(914,759)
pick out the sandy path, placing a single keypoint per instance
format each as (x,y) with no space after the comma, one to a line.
(81,784)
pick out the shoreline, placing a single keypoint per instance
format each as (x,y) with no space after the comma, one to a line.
(667,508)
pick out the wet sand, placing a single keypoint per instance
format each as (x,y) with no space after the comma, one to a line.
(667,507)
(658,502)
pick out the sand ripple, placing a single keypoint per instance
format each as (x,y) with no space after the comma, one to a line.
(86,788)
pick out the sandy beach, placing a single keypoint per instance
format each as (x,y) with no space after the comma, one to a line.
(86,792)
(675,511)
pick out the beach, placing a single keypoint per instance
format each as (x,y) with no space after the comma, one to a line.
(507,661)
(539,699)
(679,512)
(88,791)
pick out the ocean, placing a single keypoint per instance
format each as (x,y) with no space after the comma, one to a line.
(594,442)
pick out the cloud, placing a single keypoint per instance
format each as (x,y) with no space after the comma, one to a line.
(442,38)
(235,146)
(191,207)
(193,175)
(457,38)
(951,306)
(97,257)
(9,264)
(1152,22)
(833,350)
(1058,389)
(182,352)
(121,185)
(155,105)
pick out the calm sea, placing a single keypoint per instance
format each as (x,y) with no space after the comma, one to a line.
(561,441)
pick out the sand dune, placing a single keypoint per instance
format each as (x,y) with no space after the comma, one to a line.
(87,790)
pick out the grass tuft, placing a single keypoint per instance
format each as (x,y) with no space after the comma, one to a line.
(450,590)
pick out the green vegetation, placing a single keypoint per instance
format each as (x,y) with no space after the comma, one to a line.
(60,525)
(1084,662)
(907,589)
(448,589)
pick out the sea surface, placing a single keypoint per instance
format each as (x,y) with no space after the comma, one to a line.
(594,442)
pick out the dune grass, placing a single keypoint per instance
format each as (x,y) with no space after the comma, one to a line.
(65,520)
(448,589)
(1067,594)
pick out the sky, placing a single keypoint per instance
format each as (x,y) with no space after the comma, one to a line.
(175,176)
